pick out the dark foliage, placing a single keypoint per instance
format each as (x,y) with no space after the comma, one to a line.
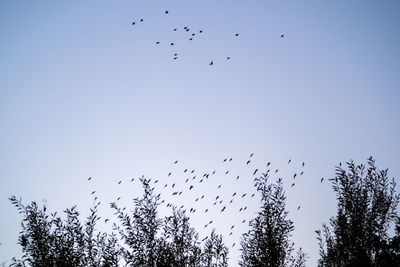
(268,242)
(147,240)
(367,207)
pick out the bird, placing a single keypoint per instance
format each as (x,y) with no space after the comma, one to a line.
(206,210)
(236,34)
(298,207)
(176,160)
(255,171)
(289,161)
(173,185)
(141,20)
(132,179)
(230,159)
(213,172)
(252,195)
(187,180)
(200,31)
(226,172)
(243,221)
(156,181)
(172,43)
(165,185)
(192,171)
(175,58)
(282,35)
(211,63)
(302,165)
(237,178)
(190,188)
(301,173)
(276,170)
(292,185)
(228,58)
(190,39)
(322,179)
(233,244)
(185,170)
(234,194)
(224,160)
(118,198)
(166,11)
(244,195)
(93,192)
(106,220)
(251,155)
(90,178)
(223,209)
(120,182)
(294,175)
(232,227)
(219,186)
(248,162)
(193,34)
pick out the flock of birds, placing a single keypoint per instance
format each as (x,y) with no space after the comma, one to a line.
(195,192)
(191,35)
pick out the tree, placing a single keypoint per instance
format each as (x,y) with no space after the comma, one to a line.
(268,242)
(50,241)
(367,208)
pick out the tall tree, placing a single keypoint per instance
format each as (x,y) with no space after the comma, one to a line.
(367,208)
(268,244)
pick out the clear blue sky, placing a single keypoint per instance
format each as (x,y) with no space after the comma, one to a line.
(84,93)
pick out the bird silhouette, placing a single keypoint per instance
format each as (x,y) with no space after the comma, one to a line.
(172,43)
(176,160)
(302,165)
(185,170)
(322,179)
(157,42)
(236,34)
(289,161)
(247,163)
(169,174)
(90,178)
(255,171)
(237,178)
(292,185)
(298,207)
(282,35)
(166,11)
(251,155)
(141,20)
(228,58)
(211,63)
(93,192)
(224,160)
(120,182)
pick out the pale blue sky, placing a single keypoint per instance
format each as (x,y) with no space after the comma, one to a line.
(84,93)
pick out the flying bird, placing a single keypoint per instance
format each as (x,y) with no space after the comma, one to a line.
(322,179)
(290,160)
(176,160)
(248,162)
(90,178)
(166,11)
(282,35)
(236,34)
(255,171)
(211,63)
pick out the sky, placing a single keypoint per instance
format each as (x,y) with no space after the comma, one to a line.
(84,93)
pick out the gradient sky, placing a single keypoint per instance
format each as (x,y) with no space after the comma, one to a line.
(84,93)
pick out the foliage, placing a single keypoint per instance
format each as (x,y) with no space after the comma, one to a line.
(367,207)
(144,239)
(268,242)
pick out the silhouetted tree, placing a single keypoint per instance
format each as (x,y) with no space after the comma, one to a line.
(268,242)
(151,241)
(50,241)
(367,207)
